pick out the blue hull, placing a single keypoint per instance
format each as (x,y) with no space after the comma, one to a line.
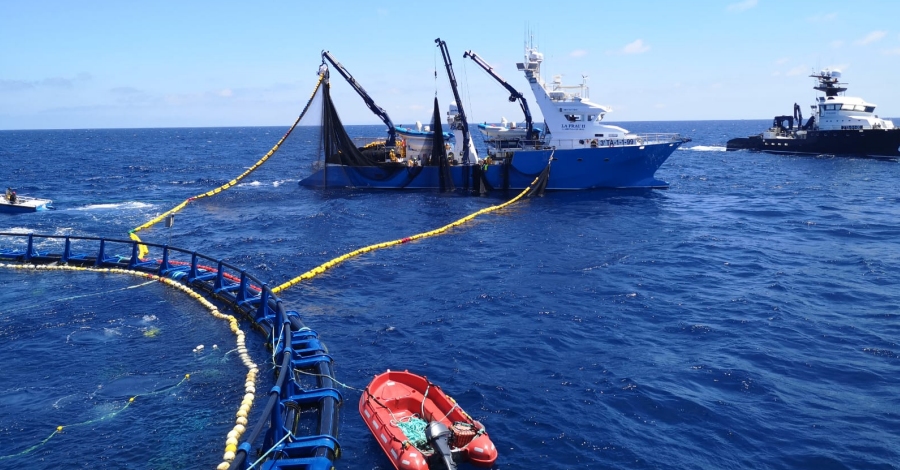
(571,169)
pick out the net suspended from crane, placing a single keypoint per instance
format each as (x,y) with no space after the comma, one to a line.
(371,158)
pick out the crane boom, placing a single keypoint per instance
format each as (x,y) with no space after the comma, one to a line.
(459,106)
(513,93)
(381,113)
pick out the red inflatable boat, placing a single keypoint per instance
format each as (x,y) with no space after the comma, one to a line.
(420,427)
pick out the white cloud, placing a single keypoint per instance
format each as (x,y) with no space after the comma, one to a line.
(799,70)
(636,47)
(125,90)
(16,85)
(742,6)
(782,61)
(51,82)
(578,53)
(226,93)
(874,36)
(822,18)
(130,95)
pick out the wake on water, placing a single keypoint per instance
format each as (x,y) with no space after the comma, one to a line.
(704,148)
(114,206)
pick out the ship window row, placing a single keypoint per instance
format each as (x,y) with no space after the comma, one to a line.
(579,117)
(846,107)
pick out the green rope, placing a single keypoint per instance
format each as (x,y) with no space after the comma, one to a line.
(414,430)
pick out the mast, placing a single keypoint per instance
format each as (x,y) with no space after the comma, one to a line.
(828,82)
(459,106)
(513,93)
(381,113)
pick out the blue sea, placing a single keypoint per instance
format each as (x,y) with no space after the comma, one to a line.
(746,317)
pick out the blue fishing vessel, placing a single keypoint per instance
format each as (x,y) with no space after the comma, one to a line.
(585,153)
(581,153)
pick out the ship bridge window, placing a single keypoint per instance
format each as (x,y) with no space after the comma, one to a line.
(591,117)
(832,107)
(870,109)
(853,107)
(573,117)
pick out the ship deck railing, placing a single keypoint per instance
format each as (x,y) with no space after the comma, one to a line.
(629,140)
(300,418)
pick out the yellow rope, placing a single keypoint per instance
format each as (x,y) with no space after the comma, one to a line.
(113,414)
(133,233)
(340,259)
(250,387)
(243,412)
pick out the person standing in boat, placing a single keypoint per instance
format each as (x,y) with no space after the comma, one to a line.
(11,195)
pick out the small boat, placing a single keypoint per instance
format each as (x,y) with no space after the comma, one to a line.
(420,427)
(504,129)
(13,203)
(416,143)
(839,125)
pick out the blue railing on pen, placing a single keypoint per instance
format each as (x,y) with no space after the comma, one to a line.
(302,407)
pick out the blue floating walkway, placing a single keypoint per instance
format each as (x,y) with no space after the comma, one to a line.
(300,418)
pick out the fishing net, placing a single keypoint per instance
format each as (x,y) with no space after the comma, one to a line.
(365,159)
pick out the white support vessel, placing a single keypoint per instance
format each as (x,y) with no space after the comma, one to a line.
(840,125)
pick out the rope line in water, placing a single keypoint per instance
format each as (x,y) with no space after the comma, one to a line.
(330,377)
(133,232)
(243,412)
(340,259)
(266,454)
(111,415)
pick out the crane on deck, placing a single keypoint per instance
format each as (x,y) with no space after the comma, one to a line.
(513,93)
(381,113)
(459,106)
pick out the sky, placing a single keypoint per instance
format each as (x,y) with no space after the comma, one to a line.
(121,64)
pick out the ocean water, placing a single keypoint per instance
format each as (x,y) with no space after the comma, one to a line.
(746,317)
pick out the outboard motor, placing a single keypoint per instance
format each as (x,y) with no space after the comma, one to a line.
(438,436)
